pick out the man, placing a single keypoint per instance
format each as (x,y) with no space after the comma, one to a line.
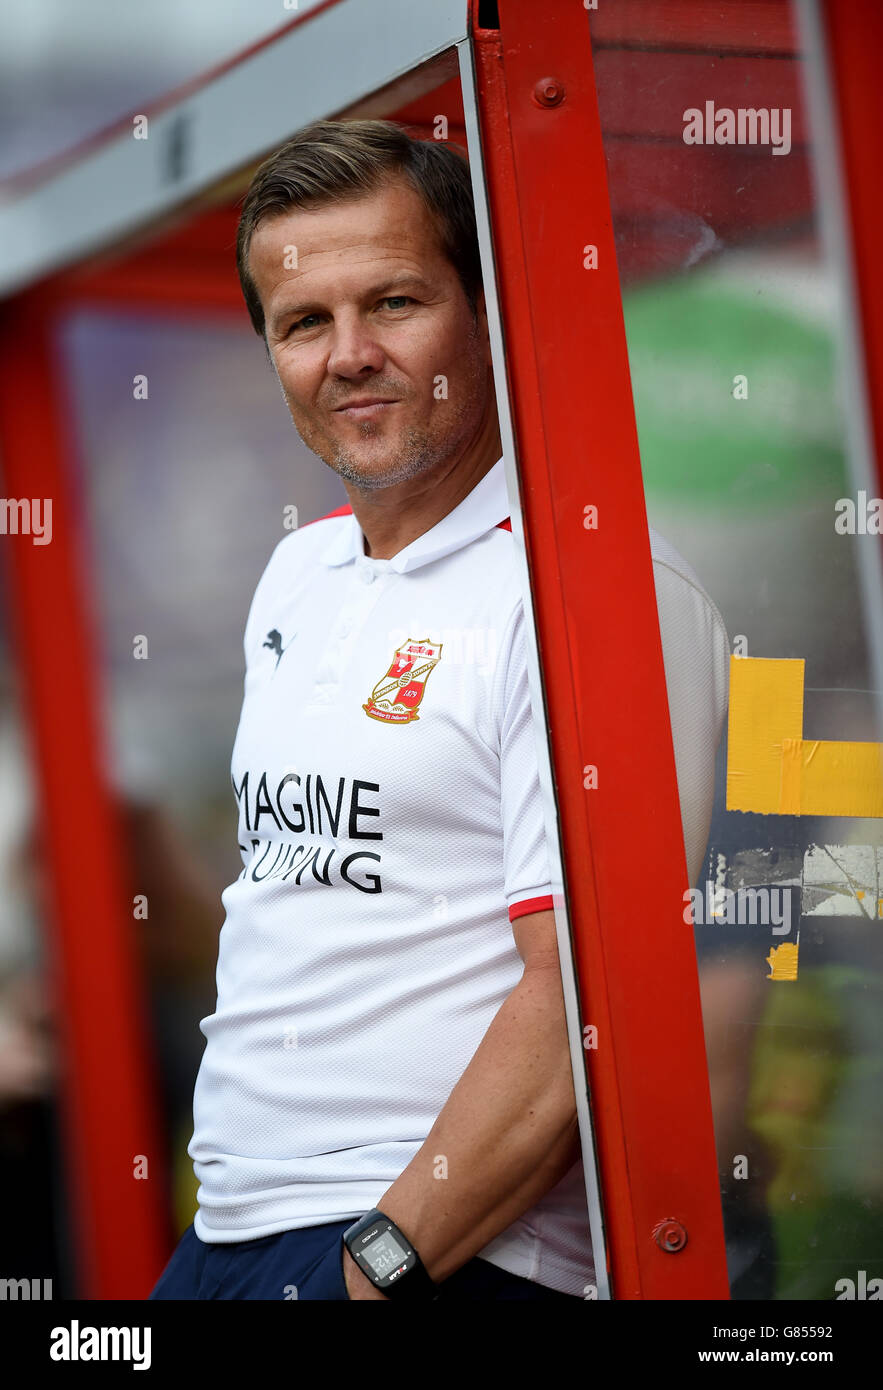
(385,1106)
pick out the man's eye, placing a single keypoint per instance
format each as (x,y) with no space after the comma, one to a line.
(390,299)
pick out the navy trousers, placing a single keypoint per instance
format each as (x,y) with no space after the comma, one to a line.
(308,1264)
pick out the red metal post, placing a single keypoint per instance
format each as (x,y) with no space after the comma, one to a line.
(854,45)
(106,1094)
(598,631)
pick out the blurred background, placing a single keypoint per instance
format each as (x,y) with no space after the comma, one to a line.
(179,503)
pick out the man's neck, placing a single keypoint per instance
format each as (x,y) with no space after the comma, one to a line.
(395,517)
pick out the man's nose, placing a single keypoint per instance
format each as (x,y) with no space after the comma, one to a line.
(354,347)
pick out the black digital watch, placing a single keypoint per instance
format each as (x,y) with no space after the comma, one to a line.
(383,1253)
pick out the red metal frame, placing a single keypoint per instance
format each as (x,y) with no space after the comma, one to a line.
(751,26)
(98,992)
(854,46)
(106,1094)
(598,631)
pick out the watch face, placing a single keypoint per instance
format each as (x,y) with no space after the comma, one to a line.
(384,1255)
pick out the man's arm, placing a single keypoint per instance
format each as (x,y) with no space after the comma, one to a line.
(508,1131)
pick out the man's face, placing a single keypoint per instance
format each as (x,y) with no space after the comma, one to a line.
(373,309)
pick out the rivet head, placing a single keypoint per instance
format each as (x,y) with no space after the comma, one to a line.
(548,92)
(670,1236)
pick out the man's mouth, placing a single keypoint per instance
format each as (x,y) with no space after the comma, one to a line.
(366,410)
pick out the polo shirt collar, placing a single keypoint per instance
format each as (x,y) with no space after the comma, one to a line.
(480,511)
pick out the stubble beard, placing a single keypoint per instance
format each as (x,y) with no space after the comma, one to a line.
(417,452)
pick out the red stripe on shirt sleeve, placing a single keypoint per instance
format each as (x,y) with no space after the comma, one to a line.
(522,909)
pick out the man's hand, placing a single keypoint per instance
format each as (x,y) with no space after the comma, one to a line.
(358,1285)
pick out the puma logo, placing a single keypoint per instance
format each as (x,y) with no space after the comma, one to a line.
(274,642)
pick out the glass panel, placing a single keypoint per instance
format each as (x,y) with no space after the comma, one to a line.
(732,318)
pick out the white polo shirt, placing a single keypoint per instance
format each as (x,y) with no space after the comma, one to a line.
(391,829)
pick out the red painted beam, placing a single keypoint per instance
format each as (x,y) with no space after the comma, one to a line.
(645,92)
(106,1090)
(746,26)
(598,630)
(854,46)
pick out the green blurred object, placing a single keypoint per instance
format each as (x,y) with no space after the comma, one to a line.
(688,338)
(816,1064)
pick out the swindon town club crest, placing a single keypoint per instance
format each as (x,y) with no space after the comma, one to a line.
(396,695)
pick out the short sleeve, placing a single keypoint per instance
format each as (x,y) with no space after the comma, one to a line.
(527,875)
(695,651)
